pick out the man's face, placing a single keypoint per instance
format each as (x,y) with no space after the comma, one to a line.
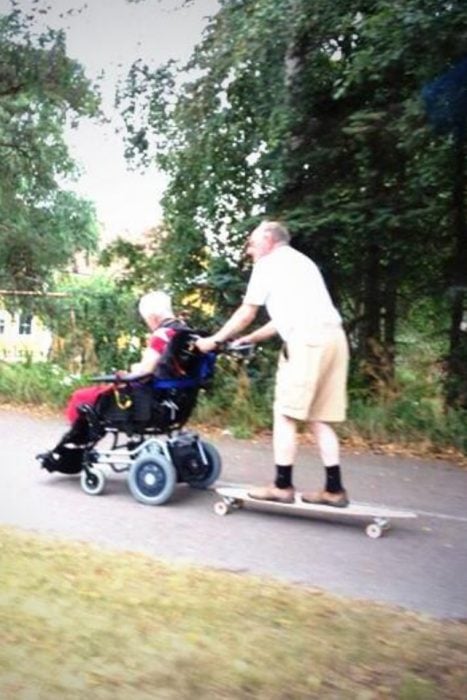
(259,244)
(152,321)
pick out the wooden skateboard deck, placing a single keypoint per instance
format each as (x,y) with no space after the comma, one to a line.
(235,496)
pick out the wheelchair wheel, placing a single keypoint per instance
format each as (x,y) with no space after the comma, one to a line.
(93,482)
(213,469)
(152,479)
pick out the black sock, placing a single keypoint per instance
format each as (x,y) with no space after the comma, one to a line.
(333,479)
(283,476)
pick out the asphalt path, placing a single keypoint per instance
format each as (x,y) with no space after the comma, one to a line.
(419,564)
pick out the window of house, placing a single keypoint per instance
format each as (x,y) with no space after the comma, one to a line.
(25,323)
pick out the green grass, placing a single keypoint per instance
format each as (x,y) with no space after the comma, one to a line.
(409,422)
(76,622)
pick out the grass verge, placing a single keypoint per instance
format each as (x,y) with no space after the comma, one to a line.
(76,622)
(40,383)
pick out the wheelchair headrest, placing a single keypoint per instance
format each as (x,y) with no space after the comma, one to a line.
(181,356)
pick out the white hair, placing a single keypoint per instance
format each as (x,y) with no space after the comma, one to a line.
(276,230)
(155,304)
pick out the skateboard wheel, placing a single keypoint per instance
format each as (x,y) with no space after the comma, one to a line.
(374,531)
(221,508)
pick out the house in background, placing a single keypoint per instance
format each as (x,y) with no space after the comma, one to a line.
(23,336)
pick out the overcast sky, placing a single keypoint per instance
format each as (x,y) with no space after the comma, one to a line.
(109,35)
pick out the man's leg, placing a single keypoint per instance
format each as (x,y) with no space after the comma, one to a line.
(333,493)
(327,442)
(284,447)
(284,438)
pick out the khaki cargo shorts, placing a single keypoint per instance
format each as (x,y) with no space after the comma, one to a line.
(311,381)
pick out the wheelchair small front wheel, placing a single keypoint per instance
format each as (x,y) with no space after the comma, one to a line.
(152,479)
(92,481)
(213,467)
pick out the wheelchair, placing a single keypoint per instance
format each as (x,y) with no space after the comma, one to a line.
(144,419)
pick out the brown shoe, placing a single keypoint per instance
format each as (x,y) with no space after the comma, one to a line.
(272,493)
(326,498)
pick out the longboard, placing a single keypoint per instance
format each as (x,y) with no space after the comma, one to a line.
(234,497)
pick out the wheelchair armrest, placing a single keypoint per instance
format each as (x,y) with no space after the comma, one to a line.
(116,379)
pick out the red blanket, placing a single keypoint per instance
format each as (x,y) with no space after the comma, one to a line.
(88,394)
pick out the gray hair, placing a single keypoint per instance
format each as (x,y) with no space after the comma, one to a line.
(277,231)
(155,304)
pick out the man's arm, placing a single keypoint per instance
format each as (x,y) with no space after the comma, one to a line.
(262,333)
(148,362)
(240,319)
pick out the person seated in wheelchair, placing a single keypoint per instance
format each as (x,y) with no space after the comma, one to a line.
(128,402)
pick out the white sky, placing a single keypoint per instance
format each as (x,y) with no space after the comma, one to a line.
(109,35)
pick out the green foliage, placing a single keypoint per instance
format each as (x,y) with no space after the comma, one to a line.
(421,425)
(240,397)
(411,409)
(146,265)
(407,419)
(97,324)
(138,263)
(41,91)
(39,383)
(310,114)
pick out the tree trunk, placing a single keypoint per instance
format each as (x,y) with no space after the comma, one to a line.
(456,382)
(371,338)
(390,318)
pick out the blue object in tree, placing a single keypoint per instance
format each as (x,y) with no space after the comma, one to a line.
(446,100)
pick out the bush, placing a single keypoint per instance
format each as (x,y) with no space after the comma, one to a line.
(96,326)
(407,421)
(240,398)
(37,383)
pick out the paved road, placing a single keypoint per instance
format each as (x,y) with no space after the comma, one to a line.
(420,565)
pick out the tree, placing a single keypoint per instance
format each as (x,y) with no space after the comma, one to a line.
(446,105)
(96,324)
(41,90)
(137,265)
(311,113)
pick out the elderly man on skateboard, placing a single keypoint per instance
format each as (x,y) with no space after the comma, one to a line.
(312,370)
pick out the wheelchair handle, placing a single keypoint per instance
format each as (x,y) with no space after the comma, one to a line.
(244,351)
